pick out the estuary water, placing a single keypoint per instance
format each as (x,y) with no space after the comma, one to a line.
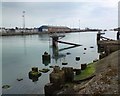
(21,53)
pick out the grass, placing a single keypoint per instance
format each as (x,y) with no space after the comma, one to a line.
(86,73)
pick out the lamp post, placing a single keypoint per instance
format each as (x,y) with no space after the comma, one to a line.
(23,21)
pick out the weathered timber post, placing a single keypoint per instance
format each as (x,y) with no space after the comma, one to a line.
(34,74)
(57,76)
(118,35)
(83,66)
(35,69)
(69,74)
(54,41)
(77,71)
(50,89)
(46,59)
(98,36)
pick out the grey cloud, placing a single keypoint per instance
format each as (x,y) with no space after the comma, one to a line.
(64,13)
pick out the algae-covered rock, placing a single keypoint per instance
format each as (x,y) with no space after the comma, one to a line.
(35,69)
(6,86)
(44,70)
(37,74)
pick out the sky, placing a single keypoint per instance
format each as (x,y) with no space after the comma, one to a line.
(74,14)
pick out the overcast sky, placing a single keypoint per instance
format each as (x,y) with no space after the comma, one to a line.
(90,14)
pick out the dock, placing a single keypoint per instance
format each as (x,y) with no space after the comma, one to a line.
(69,43)
(106,47)
(67,48)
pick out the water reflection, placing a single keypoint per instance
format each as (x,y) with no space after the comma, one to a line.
(56,55)
(25,48)
(67,48)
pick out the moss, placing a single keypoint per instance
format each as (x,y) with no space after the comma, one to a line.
(37,74)
(86,73)
(34,73)
(44,70)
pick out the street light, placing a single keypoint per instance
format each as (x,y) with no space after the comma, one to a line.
(23,20)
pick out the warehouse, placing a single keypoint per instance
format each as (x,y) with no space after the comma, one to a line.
(45,28)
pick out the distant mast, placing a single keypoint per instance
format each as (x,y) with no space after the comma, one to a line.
(23,21)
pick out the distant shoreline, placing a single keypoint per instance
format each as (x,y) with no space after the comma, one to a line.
(37,33)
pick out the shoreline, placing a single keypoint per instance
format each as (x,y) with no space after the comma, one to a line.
(38,33)
(101,83)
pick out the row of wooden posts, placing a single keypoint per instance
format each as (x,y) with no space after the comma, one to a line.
(59,77)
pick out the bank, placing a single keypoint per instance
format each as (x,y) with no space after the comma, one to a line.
(106,80)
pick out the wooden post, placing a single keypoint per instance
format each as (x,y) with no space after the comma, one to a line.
(46,59)
(35,69)
(118,35)
(54,41)
(69,74)
(98,36)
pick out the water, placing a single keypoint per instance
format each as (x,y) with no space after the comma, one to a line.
(21,53)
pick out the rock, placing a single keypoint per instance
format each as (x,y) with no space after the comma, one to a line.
(85,48)
(64,63)
(91,47)
(77,58)
(51,66)
(95,60)
(6,86)
(44,70)
(68,53)
(19,79)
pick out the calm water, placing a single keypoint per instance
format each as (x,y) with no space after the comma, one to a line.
(21,53)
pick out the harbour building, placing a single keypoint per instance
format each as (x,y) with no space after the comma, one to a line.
(46,28)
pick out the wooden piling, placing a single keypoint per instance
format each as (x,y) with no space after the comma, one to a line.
(83,66)
(54,41)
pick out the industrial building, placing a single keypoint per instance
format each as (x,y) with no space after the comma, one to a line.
(46,28)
